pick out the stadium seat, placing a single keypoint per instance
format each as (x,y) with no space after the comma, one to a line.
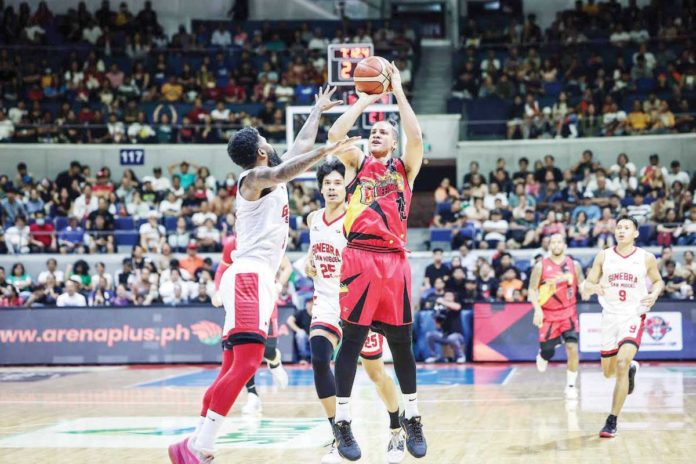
(124,223)
(170,223)
(441,238)
(126,238)
(552,89)
(645,85)
(61,223)
(646,234)
(304,240)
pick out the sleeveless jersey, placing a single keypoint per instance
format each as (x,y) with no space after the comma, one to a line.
(555,290)
(379,199)
(624,281)
(262,226)
(327,243)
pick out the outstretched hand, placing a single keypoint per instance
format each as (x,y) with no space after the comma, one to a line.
(322,99)
(340,146)
(395,78)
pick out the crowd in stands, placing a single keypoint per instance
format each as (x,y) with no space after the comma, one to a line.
(166,212)
(114,76)
(522,209)
(600,69)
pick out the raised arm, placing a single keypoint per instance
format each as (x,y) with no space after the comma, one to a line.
(533,294)
(658,284)
(264,177)
(591,285)
(307,136)
(413,153)
(351,158)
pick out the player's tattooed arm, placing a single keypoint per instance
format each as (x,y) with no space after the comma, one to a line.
(591,284)
(533,294)
(264,177)
(579,274)
(658,285)
(307,136)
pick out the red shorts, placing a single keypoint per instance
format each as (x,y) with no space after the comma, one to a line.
(373,347)
(375,287)
(564,325)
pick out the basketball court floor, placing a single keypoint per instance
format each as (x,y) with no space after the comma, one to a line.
(472,414)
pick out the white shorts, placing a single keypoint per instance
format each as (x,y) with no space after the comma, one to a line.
(618,329)
(326,317)
(248,295)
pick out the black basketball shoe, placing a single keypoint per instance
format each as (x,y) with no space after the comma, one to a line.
(609,429)
(345,441)
(415,440)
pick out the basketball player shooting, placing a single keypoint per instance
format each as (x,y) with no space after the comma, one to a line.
(618,277)
(553,290)
(375,287)
(248,290)
(326,244)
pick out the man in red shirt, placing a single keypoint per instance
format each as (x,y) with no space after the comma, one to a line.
(42,233)
(192,261)
(553,292)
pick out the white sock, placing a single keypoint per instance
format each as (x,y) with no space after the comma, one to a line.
(342,409)
(571,377)
(201,420)
(205,441)
(411,402)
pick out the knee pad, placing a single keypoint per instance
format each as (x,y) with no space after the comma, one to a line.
(355,333)
(548,349)
(324,381)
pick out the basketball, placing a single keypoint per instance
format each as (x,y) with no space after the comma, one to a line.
(371,76)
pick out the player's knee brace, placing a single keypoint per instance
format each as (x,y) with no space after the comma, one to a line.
(400,339)
(548,349)
(322,349)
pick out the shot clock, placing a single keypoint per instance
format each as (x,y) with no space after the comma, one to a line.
(342,60)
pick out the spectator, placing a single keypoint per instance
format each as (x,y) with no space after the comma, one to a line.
(553,224)
(523,230)
(70,297)
(20,280)
(186,177)
(686,233)
(43,237)
(299,323)
(221,37)
(208,237)
(449,216)
(101,274)
(122,297)
(9,297)
(511,287)
(676,287)
(174,291)
(448,328)
(495,228)
(486,283)
(100,238)
(152,235)
(676,174)
(445,191)
(579,232)
(11,207)
(51,271)
(18,237)
(639,210)
(85,203)
(436,269)
(592,212)
(603,230)
(192,261)
(72,238)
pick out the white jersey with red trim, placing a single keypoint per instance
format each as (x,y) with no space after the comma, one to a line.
(624,279)
(262,226)
(326,241)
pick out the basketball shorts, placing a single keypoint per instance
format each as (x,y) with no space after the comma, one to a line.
(618,329)
(325,317)
(375,287)
(248,295)
(561,326)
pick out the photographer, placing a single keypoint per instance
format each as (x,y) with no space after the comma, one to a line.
(448,327)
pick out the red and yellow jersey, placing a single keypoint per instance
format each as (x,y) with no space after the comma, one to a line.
(379,199)
(558,286)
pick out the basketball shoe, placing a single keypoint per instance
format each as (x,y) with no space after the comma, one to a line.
(571,392)
(253,405)
(609,429)
(346,445)
(396,450)
(183,453)
(415,440)
(332,457)
(541,363)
